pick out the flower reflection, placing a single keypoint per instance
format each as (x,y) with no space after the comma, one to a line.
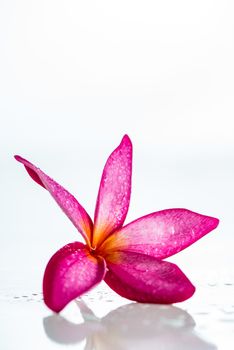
(141,326)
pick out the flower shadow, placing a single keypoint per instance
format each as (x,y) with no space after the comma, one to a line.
(133,326)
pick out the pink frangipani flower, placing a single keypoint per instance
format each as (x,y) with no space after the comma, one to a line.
(128,258)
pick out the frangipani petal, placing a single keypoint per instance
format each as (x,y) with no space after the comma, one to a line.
(70,206)
(71,272)
(114,192)
(161,234)
(146,279)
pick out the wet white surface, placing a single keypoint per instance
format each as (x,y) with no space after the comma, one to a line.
(102,320)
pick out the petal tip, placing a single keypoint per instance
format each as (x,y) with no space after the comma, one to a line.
(126,140)
(24,161)
(18,158)
(212,222)
(191,289)
(215,222)
(209,222)
(52,308)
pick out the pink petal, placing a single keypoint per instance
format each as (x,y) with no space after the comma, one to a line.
(70,272)
(161,234)
(114,192)
(146,279)
(70,206)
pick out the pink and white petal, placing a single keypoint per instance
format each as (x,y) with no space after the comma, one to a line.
(70,206)
(71,272)
(114,192)
(146,279)
(161,234)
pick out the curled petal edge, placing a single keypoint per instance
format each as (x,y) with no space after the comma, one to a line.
(71,272)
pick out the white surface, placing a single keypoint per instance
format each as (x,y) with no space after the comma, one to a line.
(76,76)
(103,320)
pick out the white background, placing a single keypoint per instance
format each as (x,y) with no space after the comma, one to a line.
(75,76)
